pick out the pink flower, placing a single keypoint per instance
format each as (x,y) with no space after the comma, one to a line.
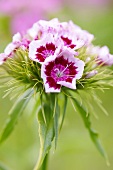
(91,73)
(71,41)
(61,71)
(72,36)
(83,37)
(41,50)
(3,58)
(42,28)
(24,13)
(101,54)
(104,57)
(11,47)
(17,41)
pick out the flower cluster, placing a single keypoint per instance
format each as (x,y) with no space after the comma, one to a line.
(64,52)
(54,57)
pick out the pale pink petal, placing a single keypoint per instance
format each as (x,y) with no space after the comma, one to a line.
(3,58)
(10,48)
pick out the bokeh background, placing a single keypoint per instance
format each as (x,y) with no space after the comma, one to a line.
(75,150)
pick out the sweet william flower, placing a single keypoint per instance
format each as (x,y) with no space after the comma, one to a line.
(64,70)
(77,33)
(104,57)
(41,28)
(51,64)
(71,35)
(101,54)
(71,41)
(17,41)
(47,47)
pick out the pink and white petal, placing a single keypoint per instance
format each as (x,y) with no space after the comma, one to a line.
(110,60)
(49,89)
(79,44)
(71,51)
(85,36)
(34,31)
(73,27)
(71,85)
(52,23)
(34,45)
(104,51)
(50,85)
(77,63)
(17,37)
(32,50)
(10,48)
(67,55)
(50,58)
(3,58)
(80,68)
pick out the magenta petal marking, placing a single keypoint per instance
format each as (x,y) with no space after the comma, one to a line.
(68,42)
(45,51)
(52,83)
(59,70)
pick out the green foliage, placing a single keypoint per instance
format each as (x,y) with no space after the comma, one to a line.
(14,114)
(86,118)
(20,74)
(21,71)
(46,132)
(3,167)
(49,124)
(64,111)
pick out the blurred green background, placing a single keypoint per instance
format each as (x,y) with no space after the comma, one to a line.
(75,150)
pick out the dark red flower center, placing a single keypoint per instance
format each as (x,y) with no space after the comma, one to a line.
(45,51)
(60,70)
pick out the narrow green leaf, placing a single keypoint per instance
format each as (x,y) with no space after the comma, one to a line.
(35,107)
(14,114)
(56,120)
(3,167)
(93,134)
(64,111)
(46,132)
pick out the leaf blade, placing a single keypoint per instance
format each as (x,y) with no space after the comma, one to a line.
(87,123)
(3,167)
(64,112)
(14,115)
(46,133)
(56,120)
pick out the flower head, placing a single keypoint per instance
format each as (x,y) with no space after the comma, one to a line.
(41,50)
(42,28)
(64,53)
(61,71)
(104,57)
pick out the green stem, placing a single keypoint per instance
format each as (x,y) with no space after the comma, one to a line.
(44,164)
